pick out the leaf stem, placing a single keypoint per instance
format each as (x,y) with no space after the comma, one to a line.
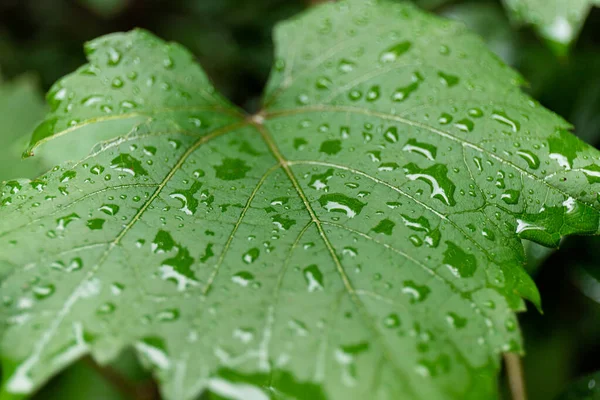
(514,374)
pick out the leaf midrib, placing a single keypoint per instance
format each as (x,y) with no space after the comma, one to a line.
(142,113)
(339,268)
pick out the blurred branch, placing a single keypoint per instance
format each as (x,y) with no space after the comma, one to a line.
(145,390)
(514,373)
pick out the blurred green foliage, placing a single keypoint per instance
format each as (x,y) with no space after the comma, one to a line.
(21,108)
(40,41)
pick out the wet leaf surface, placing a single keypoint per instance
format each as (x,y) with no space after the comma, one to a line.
(360,237)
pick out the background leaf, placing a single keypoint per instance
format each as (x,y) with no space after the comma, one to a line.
(557,21)
(584,389)
(21,108)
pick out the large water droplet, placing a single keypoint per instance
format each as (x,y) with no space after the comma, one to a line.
(313,277)
(417,293)
(436,177)
(338,202)
(251,255)
(189,204)
(532,160)
(459,262)
(127,163)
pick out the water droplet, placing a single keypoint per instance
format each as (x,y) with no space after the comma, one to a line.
(319,181)
(391,321)
(445,119)
(13,187)
(337,202)
(97,169)
(95,224)
(592,173)
(245,335)
(302,99)
(403,93)
(189,204)
(391,134)
(63,222)
(387,167)
(532,160)
(456,321)
(459,262)
(392,53)
(428,151)
(282,222)
(67,176)
(168,315)
(163,242)
(373,93)
(417,293)
(447,79)
(323,83)
(350,251)
(346,66)
(114,56)
(242,278)
(465,125)
(43,291)
(475,112)
(117,83)
(106,308)
(251,255)
(506,120)
(168,63)
(109,209)
(126,163)
(510,196)
(231,169)
(436,177)
(150,150)
(92,100)
(331,147)
(313,277)
(385,226)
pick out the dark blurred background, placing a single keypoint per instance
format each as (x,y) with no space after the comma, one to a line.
(41,40)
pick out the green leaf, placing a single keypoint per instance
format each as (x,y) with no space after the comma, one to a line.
(586,388)
(557,21)
(21,108)
(360,237)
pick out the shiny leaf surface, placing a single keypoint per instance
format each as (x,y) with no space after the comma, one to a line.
(360,237)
